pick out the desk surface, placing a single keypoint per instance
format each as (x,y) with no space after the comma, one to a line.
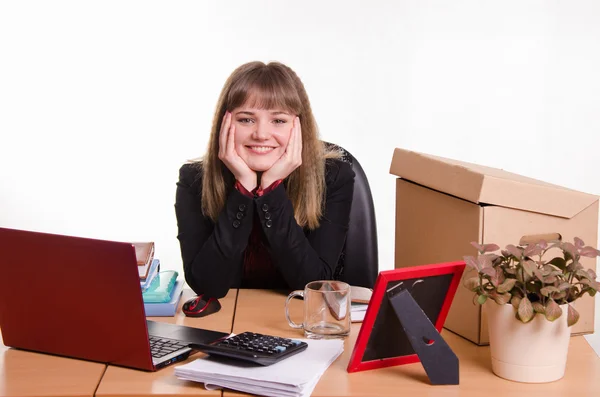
(28,374)
(31,374)
(119,381)
(263,311)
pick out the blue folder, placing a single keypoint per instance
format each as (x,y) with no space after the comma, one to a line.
(167,309)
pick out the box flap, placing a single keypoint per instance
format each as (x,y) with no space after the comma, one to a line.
(486,185)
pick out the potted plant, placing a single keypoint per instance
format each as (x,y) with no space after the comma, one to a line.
(531,303)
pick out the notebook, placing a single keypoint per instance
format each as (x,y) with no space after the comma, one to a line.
(165,309)
(145,284)
(161,288)
(49,305)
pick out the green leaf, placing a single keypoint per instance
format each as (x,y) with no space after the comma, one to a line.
(546,291)
(498,277)
(490,247)
(578,242)
(569,248)
(559,296)
(538,307)
(572,316)
(564,286)
(550,279)
(501,299)
(514,251)
(507,285)
(529,266)
(471,262)
(543,244)
(472,283)
(515,301)
(589,252)
(534,287)
(553,311)
(520,276)
(538,274)
(574,266)
(525,310)
(484,261)
(532,249)
(488,271)
(477,246)
(560,263)
(481,299)
(583,273)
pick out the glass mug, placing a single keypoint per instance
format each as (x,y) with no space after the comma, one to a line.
(326,309)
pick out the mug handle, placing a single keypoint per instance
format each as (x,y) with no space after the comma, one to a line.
(287,312)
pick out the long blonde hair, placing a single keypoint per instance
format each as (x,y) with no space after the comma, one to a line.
(269,86)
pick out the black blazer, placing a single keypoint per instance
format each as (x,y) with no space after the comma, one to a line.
(212,253)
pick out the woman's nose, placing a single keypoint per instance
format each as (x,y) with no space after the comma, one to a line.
(261,132)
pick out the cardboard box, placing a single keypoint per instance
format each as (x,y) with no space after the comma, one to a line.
(442,205)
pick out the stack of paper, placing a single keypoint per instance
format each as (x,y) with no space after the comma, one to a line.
(358,311)
(360,297)
(294,376)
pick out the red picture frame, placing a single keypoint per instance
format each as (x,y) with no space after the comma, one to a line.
(455,269)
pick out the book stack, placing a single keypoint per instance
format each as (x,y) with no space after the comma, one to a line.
(161,291)
(295,376)
(359,297)
(144,254)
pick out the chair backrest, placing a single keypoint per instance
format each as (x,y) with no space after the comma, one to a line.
(359,264)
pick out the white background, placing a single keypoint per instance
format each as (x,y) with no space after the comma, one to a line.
(101,102)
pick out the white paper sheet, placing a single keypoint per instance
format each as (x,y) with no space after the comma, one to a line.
(294,376)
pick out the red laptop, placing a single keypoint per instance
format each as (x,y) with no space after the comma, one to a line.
(81,298)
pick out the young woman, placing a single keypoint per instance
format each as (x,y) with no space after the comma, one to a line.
(269,204)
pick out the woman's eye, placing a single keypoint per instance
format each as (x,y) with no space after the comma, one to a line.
(279,121)
(245,121)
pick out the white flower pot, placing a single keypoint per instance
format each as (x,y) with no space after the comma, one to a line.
(535,352)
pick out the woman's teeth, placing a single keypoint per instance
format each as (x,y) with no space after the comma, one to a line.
(261,149)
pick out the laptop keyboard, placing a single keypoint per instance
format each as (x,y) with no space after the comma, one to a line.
(160,347)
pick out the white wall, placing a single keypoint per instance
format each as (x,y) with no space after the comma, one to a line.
(100,103)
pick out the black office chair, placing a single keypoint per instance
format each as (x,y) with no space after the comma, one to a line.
(359,264)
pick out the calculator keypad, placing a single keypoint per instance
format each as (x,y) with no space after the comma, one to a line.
(258,348)
(259,343)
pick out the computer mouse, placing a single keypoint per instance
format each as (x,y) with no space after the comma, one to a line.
(200,307)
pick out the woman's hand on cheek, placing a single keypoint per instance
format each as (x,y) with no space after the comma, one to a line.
(289,161)
(231,159)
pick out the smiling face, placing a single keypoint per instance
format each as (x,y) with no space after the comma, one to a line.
(261,135)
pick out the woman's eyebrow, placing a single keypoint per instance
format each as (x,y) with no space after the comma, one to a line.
(278,112)
(246,112)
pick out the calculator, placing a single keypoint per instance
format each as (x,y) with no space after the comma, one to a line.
(257,348)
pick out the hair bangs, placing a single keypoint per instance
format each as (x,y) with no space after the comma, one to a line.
(267,88)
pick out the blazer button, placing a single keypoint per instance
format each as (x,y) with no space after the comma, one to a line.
(236,223)
(267,215)
(269,223)
(265,208)
(239,215)
(242,207)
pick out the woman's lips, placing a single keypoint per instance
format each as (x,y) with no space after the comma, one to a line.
(260,149)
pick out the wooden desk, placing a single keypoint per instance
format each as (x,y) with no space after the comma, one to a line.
(263,311)
(27,374)
(119,381)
